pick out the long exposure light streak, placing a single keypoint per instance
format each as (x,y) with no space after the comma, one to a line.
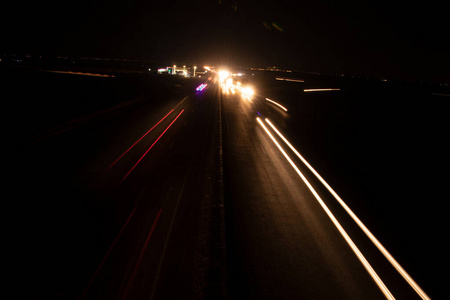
(361,225)
(342,231)
(150,147)
(320,90)
(278,104)
(111,165)
(289,79)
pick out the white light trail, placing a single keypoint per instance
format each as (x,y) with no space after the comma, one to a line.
(282,107)
(361,225)
(342,231)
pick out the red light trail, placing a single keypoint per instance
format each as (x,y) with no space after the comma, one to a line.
(110,166)
(150,148)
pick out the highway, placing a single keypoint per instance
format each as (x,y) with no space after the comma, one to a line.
(277,226)
(205,193)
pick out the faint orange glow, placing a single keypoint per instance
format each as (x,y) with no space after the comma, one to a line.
(277,26)
(82,73)
(361,225)
(341,230)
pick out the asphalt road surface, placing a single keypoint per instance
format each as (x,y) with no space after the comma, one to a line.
(170,193)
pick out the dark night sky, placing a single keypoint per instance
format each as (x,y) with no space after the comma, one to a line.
(383,38)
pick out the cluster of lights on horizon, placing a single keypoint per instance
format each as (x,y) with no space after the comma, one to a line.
(184,71)
(229,86)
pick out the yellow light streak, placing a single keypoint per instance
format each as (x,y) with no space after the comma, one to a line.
(282,107)
(320,90)
(289,79)
(294,80)
(341,230)
(361,225)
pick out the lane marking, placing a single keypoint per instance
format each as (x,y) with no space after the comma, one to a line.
(361,225)
(276,103)
(110,166)
(347,238)
(150,148)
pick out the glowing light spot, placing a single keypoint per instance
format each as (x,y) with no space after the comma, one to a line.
(248,91)
(223,75)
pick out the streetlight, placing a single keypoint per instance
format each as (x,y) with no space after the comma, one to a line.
(195,68)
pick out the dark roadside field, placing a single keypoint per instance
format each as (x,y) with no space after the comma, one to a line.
(39,103)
